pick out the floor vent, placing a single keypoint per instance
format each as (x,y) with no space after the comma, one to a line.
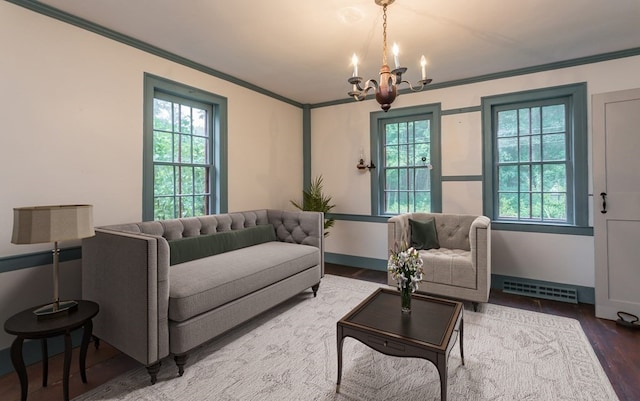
(564,294)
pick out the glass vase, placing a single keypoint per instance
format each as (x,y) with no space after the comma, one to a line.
(405,296)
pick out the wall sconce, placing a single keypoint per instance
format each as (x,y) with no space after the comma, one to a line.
(362,166)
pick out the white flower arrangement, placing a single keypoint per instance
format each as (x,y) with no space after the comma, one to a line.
(405,265)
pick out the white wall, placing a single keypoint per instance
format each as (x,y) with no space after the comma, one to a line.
(340,131)
(71,132)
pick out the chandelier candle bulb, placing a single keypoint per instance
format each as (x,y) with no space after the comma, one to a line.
(354,61)
(396,51)
(423,64)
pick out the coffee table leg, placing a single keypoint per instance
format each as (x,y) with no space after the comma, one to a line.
(18,365)
(45,361)
(86,338)
(461,339)
(340,340)
(67,365)
(443,372)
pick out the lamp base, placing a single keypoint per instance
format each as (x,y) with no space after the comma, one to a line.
(52,310)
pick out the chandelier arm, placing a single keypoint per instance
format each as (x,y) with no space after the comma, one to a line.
(355,81)
(370,84)
(361,93)
(422,84)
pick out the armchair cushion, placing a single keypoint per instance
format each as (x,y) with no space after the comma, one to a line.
(449,266)
(424,234)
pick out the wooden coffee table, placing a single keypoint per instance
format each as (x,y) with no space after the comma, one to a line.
(429,331)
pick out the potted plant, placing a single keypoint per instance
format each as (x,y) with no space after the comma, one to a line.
(315,200)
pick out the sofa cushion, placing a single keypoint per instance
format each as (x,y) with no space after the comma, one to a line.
(203,284)
(424,234)
(448,266)
(191,248)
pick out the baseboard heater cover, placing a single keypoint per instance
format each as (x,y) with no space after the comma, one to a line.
(564,294)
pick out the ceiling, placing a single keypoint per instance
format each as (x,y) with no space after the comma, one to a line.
(301,49)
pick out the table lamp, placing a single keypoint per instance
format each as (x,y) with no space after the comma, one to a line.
(40,224)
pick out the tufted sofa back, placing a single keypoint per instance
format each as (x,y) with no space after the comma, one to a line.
(294,227)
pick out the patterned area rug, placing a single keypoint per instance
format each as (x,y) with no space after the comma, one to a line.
(289,353)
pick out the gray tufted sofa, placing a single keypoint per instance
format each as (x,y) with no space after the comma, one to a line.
(461,267)
(150,309)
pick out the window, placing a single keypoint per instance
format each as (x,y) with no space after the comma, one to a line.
(535,157)
(407,145)
(182,160)
(184,163)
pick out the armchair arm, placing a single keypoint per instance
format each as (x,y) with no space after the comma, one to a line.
(127,274)
(398,231)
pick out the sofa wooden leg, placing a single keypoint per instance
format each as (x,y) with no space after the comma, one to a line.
(181,360)
(96,342)
(153,371)
(475,306)
(315,289)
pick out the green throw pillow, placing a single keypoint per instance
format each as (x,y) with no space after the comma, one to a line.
(423,234)
(191,248)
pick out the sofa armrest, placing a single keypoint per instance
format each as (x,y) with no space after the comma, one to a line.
(127,274)
(300,227)
(480,241)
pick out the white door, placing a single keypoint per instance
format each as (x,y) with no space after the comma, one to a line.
(616,182)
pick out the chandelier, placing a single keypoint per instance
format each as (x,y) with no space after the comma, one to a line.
(387,90)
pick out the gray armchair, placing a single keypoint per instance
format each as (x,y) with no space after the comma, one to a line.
(461,267)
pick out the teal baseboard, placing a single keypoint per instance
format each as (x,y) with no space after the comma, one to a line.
(32,353)
(356,261)
(586,295)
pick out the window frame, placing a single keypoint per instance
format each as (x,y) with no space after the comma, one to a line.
(577,157)
(217,122)
(377,121)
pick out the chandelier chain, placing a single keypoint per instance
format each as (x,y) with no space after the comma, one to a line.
(384,35)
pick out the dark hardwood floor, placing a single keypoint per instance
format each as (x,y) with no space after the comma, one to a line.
(618,348)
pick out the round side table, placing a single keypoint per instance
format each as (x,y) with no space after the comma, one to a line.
(25,325)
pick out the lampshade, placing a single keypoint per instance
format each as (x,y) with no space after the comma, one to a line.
(38,224)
